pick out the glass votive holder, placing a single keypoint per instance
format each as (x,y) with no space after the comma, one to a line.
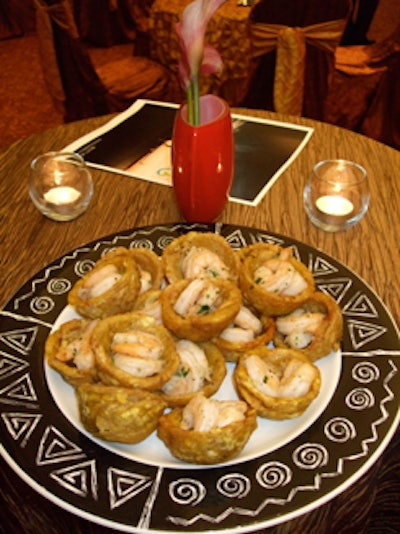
(60,185)
(336,194)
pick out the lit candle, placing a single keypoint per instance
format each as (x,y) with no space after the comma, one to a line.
(62,195)
(334,205)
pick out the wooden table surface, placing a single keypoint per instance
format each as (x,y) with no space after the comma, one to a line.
(29,242)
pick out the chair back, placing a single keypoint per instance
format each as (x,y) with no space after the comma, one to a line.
(72,81)
(294,43)
(382,119)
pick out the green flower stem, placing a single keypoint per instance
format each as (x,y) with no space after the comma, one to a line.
(196,102)
(190,105)
(193,103)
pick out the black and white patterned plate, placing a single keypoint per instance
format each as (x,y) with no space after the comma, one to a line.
(113,487)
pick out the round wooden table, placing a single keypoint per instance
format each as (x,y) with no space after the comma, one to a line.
(29,242)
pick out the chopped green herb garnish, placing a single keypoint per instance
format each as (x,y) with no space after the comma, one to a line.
(204,308)
(182,372)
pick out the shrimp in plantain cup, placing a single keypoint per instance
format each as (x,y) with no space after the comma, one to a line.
(272,280)
(207,431)
(200,309)
(199,255)
(315,328)
(277,383)
(132,350)
(249,329)
(201,370)
(69,351)
(109,288)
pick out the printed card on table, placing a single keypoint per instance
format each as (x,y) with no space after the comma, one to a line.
(137,143)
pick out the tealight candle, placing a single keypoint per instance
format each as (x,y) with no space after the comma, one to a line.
(336,194)
(334,205)
(62,195)
(61,186)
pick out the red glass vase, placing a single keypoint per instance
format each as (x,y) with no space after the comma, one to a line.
(203,160)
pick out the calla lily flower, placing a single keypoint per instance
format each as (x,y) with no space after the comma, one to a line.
(196,57)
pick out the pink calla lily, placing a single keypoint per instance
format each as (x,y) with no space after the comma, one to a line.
(212,61)
(196,57)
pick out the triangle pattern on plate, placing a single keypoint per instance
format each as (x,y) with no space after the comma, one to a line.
(10,364)
(21,340)
(80,479)
(21,425)
(124,485)
(55,447)
(362,333)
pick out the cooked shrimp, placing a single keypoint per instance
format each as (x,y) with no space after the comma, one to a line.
(99,281)
(230,412)
(247,320)
(193,370)
(299,327)
(264,376)
(294,381)
(136,343)
(152,308)
(286,253)
(202,414)
(202,262)
(199,414)
(145,281)
(136,366)
(198,298)
(244,328)
(237,335)
(279,276)
(297,379)
(79,351)
(137,353)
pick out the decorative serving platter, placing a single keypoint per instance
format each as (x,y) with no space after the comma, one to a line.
(114,487)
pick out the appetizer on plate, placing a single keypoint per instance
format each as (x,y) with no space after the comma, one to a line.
(120,414)
(248,330)
(315,328)
(109,288)
(149,303)
(201,369)
(69,351)
(131,350)
(272,280)
(207,431)
(199,255)
(277,383)
(200,309)
(157,332)
(150,268)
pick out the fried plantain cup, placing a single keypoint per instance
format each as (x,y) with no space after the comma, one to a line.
(232,350)
(109,288)
(280,405)
(213,256)
(68,350)
(328,334)
(111,374)
(118,414)
(149,303)
(214,446)
(208,322)
(216,374)
(150,267)
(271,302)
